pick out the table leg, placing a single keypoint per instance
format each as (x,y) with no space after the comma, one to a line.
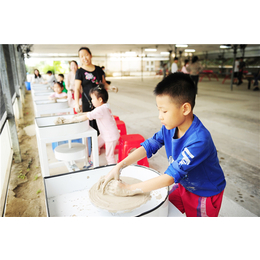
(44,161)
(95,155)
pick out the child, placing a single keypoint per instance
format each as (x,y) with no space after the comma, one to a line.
(184,68)
(109,133)
(61,80)
(193,163)
(58,94)
(51,79)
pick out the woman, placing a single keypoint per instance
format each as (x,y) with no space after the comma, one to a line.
(88,76)
(70,84)
(37,78)
(194,69)
(184,68)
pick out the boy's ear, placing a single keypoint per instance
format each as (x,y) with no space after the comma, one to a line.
(186,108)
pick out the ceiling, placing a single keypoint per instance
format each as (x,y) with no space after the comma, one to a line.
(103,49)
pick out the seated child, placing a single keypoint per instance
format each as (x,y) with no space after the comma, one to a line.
(194,168)
(58,94)
(109,133)
(61,80)
(51,79)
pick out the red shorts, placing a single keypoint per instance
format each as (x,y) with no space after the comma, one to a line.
(194,205)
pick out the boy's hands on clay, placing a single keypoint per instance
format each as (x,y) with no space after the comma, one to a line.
(104,180)
(118,188)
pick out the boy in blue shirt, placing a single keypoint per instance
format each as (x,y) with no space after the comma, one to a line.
(194,168)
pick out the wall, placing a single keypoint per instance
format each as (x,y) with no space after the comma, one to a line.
(6,155)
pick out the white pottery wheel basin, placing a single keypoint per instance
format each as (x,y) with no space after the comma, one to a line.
(67,194)
(42,90)
(39,85)
(42,105)
(47,127)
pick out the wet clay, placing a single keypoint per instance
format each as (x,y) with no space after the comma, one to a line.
(59,121)
(114,203)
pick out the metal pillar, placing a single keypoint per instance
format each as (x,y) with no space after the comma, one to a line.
(9,106)
(232,75)
(121,60)
(21,71)
(142,64)
(206,65)
(16,80)
(170,61)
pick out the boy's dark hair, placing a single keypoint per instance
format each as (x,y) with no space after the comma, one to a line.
(178,86)
(176,58)
(59,83)
(85,48)
(61,75)
(100,91)
(49,72)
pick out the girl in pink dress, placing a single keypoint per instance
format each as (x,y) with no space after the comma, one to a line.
(109,133)
(58,94)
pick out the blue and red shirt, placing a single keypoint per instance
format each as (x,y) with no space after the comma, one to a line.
(193,160)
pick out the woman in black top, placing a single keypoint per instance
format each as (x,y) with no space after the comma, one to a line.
(89,76)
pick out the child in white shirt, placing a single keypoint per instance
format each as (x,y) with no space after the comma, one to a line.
(109,133)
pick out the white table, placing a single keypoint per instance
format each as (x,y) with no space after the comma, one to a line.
(41,96)
(68,194)
(48,132)
(43,107)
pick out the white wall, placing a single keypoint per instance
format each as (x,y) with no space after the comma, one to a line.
(6,155)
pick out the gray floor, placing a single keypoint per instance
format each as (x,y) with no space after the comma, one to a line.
(232,117)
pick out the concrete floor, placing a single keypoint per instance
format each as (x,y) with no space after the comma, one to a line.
(232,117)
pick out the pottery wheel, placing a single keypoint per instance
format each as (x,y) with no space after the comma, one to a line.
(114,203)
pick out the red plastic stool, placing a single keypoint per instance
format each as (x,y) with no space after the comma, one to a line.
(116,118)
(122,130)
(121,127)
(129,142)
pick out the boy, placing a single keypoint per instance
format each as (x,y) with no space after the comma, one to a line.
(193,163)
(51,78)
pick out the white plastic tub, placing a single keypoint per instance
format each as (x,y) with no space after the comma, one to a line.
(50,107)
(46,127)
(41,90)
(67,194)
(41,96)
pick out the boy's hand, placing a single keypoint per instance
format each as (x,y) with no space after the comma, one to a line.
(104,180)
(120,189)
